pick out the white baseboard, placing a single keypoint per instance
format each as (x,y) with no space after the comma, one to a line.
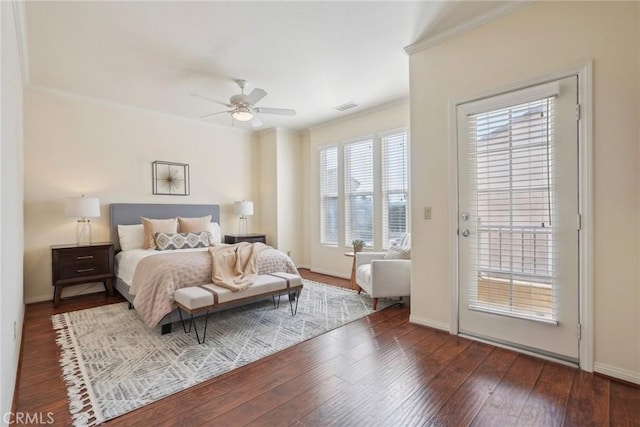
(90,288)
(331,273)
(615,372)
(38,298)
(428,322)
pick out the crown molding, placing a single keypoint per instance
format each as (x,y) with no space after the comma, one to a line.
(476,22)
(120,105)
(20,18)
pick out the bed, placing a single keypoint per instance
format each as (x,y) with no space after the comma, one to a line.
(128,259)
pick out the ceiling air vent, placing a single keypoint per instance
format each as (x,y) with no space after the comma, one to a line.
(346,106)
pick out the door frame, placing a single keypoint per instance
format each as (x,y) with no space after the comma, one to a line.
(584,72)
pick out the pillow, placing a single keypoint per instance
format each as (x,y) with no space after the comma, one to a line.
(131,236)
(166,241)
(194,225)
(216,233)
(398,252)
(406,241)
(153,226)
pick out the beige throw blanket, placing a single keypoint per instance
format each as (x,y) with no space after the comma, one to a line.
(235,267)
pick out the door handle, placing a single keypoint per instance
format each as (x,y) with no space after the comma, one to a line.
(465,233)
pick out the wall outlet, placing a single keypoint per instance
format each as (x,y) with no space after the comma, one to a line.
(427,212)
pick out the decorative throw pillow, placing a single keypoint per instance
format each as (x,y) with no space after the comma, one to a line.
(166,241)
(398,252)
(153,226)
(131,236)
(406,241)
(194,225)
(216,233)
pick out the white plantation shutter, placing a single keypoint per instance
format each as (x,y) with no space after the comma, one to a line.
(394,187)
(511,167)
(358,191)
(329,196)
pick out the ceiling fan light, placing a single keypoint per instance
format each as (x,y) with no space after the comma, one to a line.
(242,114)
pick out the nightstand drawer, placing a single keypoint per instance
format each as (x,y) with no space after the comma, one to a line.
(251,238)
(72,264)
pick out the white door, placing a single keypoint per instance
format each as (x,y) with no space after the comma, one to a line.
(518,219)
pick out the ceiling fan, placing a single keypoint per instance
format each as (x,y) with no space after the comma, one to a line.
(242,107)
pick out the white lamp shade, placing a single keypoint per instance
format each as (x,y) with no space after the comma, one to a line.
(243,208)
(83,207)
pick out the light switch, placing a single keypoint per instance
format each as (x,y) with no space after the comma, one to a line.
(427,212)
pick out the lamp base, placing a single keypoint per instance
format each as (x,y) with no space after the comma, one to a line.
(83,232)
(242,225)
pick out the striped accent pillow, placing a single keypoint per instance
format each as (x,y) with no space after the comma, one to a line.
(167,241)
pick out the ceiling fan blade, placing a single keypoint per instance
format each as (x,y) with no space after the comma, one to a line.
(215,114)
(212,100)
(256,122)
(256,95)
(281,111)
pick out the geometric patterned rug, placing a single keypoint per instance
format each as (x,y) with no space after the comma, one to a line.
(113,363)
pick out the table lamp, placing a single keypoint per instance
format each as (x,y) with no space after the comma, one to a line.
(243,209)
(83,207)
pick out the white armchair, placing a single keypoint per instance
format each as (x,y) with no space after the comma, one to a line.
(380,277)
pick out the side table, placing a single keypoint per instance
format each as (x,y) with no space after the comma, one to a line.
(74,265)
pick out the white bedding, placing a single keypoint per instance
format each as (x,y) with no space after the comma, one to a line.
(127,261)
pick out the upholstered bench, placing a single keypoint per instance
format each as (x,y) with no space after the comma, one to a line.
(196,299)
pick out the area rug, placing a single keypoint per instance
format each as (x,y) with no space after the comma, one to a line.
(113,364)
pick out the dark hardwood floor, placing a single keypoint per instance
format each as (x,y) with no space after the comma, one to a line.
(377,371)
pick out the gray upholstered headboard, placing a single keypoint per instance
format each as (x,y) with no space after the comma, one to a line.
(130,213)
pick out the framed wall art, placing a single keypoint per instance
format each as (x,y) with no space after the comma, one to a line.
(169,178)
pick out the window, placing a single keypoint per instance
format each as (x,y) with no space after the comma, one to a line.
(329,196)
(514,168)
(364,190)
(394,187)
(358,192)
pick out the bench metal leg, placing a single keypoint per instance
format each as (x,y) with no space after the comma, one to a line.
(276,304)
(192,324)
(204,335)
(182,320)
(294,295)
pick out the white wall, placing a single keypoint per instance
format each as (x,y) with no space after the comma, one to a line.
(328,259)
(305,198)
(267,203)
(11,223)
(280,188)
(289,184)
(75,145)
(543,38)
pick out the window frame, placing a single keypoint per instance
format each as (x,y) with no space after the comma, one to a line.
(379,231)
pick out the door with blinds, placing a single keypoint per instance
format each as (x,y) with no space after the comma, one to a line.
(518,222)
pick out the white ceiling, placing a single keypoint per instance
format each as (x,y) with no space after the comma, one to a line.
(309,56)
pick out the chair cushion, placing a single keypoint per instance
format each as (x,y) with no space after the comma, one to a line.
(363,277)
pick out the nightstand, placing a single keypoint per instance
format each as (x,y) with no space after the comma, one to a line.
(74,265)
(249,237)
